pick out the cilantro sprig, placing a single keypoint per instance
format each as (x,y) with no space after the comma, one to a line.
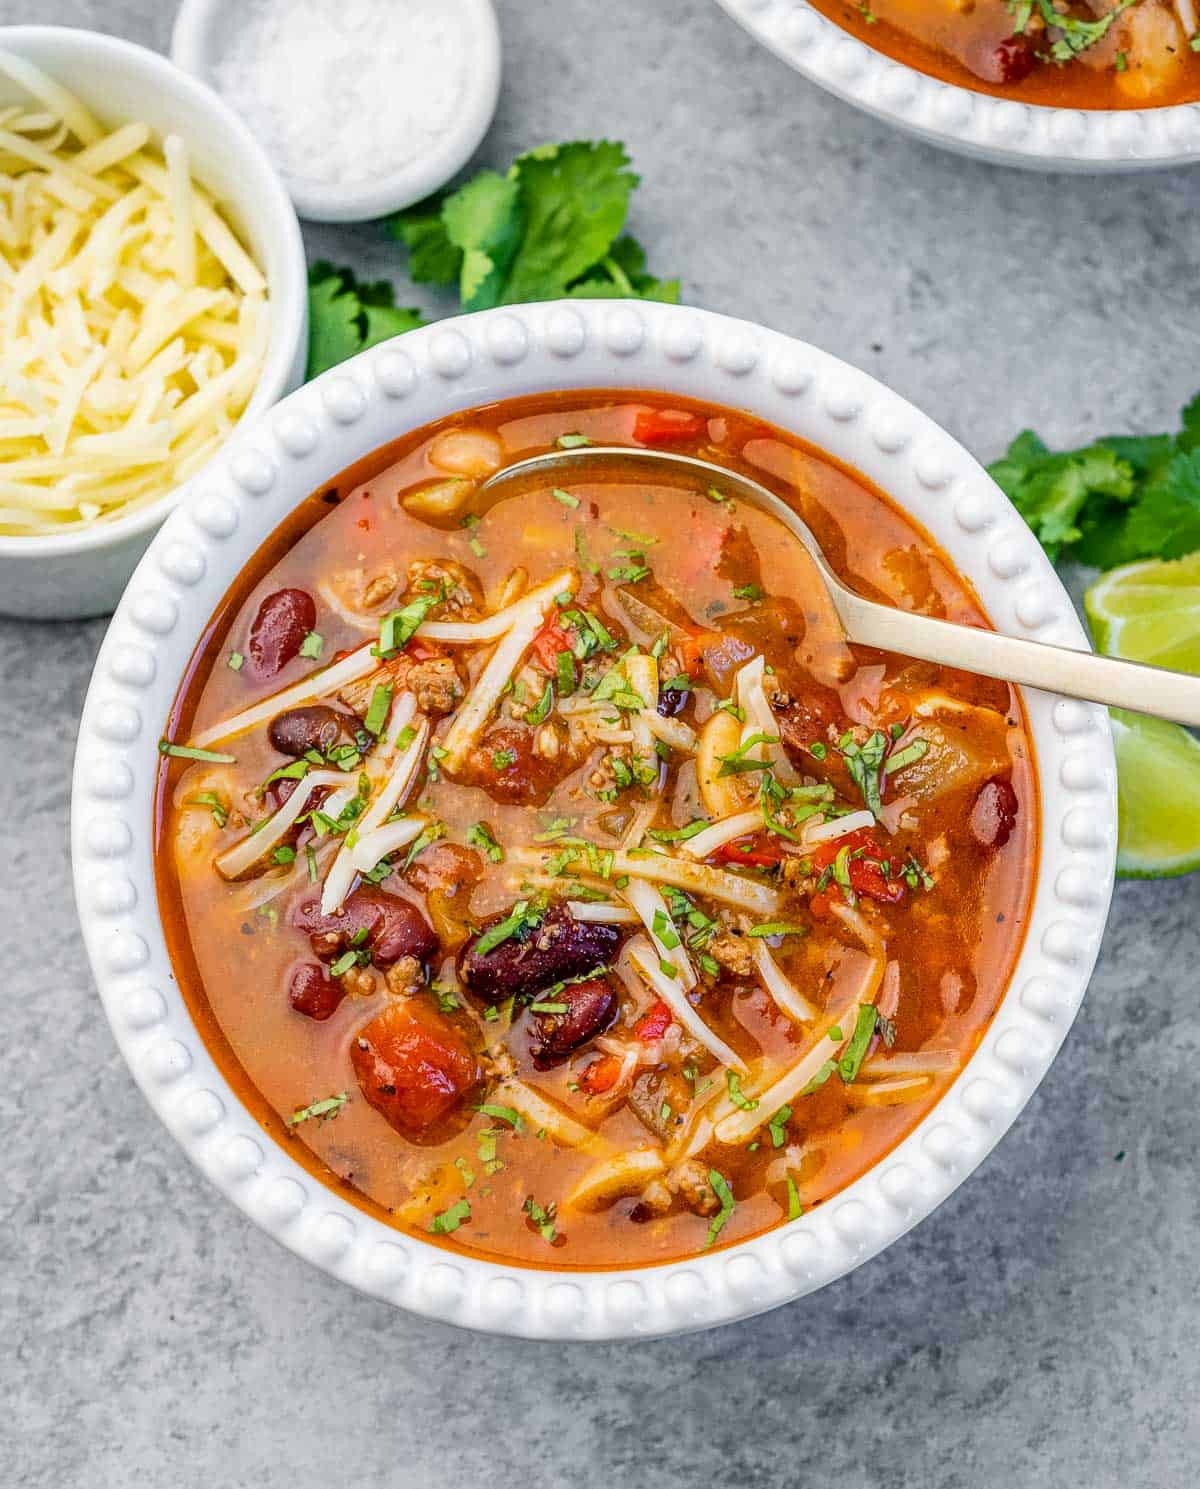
(1119,499)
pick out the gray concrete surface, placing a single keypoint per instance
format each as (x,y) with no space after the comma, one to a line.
(1041,1329)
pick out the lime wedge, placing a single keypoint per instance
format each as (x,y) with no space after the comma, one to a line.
(1149,612)
(1158,794)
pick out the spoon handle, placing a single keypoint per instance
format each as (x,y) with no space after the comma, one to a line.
(1035,664)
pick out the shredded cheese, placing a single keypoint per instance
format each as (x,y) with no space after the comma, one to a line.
(134,323)
(644,958)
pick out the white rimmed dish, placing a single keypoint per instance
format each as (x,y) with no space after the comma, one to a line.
(1000,130)
(71,575)
(201,27)
(334,421)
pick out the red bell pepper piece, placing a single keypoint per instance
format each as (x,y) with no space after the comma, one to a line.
(601,1075)
(654,1023)
(658,426)
(741,851)
(547,644)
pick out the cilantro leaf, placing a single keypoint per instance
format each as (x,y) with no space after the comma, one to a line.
(1166,521)
(346,316)
(1051,490)
(432,258)
(552,226)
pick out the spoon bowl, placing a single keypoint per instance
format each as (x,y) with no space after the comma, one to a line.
(1035,664)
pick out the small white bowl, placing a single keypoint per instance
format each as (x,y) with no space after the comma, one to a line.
(72,575)
(297,448)
(202,26)
(1001,130)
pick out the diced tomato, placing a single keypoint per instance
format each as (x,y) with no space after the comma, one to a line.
(818,906)
(742,850)
(654,1023)
(413,1065)
(548,642)
(864,872)
(690,659)
(601,1075)
(657,426)
(824,853)
(867,878)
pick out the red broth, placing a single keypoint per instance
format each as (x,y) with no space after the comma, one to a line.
(1089,55)
(670,937)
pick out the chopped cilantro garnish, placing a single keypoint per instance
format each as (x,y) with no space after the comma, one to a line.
(777,1126)
(322,1110)
(751,592)
(450,1220)
(503,759)
(190,752)
(540,711)
(542,1217)
(501,1114)
(565,498)
(778,928)
(739,1098)
(572,441)
(312,646)
(679,834)
(856,1050)
(480,835)
(347,960)
(236,661)
(909,755)
(210,799)
(377,710)
(820,1078)
(400,626)
(795,1208)
(526,915)
(721,1189)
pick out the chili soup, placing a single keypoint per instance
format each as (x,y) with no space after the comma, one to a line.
(1077,54)
(547,872)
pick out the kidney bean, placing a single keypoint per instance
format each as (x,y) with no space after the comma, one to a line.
(315,727)
(505,765)
(394,927)
(413,1066)
(559,947)
(1006,61)
(994,814)
(591,1008)
(282,622)
(671,701)
(312,992)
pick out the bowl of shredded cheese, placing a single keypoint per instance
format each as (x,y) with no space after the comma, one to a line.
(152,294)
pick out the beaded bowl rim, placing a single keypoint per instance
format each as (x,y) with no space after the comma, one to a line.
(1000,130)
(324,427)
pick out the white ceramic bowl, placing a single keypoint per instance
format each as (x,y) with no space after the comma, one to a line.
(66,576)
(203,26)
(976,124)
(333,422)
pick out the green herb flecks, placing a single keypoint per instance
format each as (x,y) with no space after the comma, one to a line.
(720,1187)
(321,1111)
(450,1219)
(190,752)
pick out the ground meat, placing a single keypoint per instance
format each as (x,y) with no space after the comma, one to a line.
(405,977)
(436,685)
(463,596)
(380,587)
(655,1200)
(359,982)
(689,1180)
(734,952)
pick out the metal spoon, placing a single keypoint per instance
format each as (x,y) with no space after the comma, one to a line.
(1036,664)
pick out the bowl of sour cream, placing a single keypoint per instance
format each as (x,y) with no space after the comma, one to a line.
(364,106)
